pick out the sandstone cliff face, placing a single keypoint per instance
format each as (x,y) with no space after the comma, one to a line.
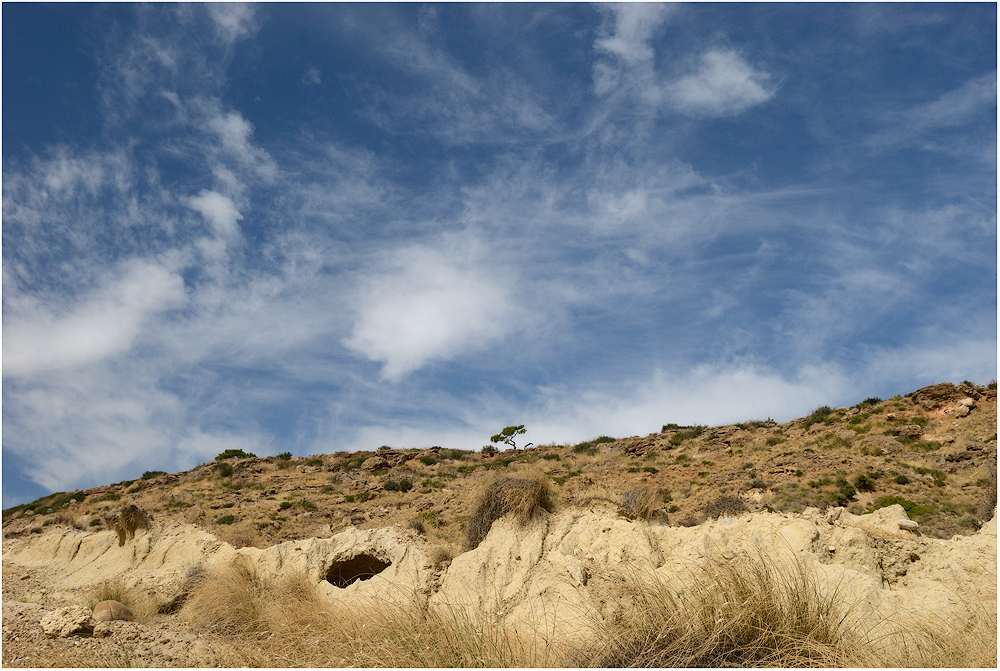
(557,573)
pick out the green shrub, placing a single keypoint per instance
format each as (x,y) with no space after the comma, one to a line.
(845,492)
(901,479)
(352,464)
(315,461)
(284,456)
(820,414)
(651,469)
(913,510)
(871,400)
(226,519)
(429,460)
(430,518)
(96,522)
(865,483)
(551,457)
(520,497)
(223,470)
(403,485)
(285,505)
(234,454)
(307,504)
(148,475)
(110,496)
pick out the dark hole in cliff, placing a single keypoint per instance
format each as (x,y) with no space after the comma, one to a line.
(360,567)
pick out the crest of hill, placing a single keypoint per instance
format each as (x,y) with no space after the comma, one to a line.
(932,451)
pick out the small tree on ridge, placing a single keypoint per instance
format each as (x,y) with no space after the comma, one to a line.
(508,434)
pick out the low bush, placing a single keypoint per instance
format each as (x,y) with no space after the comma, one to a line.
(519,497)
(148,475)
(821,414)
(223,470)
(726,506)
(913,510)
(865,482)
(234,454)
(403,485)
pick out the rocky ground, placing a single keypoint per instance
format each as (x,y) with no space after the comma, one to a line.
(804,481)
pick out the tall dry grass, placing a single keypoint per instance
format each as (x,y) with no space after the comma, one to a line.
(286,622)
(142,604)
(519,497)
(753,611)
(748,612)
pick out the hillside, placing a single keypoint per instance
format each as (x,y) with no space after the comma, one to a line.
(935,448)
(860,536)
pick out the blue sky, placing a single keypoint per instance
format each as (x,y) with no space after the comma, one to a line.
(314,227)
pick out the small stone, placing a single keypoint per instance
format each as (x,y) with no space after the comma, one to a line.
(831,548)
(102,629)
(909,525)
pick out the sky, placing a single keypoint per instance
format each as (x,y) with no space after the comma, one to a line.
(324,227)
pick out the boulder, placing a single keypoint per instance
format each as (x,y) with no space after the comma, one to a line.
(374,464)
(109,610)
(67,621)
(937,395)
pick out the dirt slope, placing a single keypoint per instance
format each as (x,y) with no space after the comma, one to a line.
(341,517)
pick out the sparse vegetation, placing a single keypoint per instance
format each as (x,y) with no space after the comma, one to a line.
(726,506)
(519,497)
(234,454)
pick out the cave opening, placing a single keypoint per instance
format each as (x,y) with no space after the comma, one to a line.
(359,567)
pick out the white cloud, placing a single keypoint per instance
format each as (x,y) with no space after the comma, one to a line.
(232,20)
(723,84)
(634,25)
(430,303)
(952,109)
(104,323)
(234,132)
(312,76)
(219,211)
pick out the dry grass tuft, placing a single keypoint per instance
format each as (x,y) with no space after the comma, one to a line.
(143,605)
(236,600)
(749,612)
(286,622)
(242,536)
(439,554)
(642,504)
(126,520)
(520,497)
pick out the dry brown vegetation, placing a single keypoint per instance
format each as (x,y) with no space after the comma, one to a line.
(751,612)
(519,497)
(287,623)
(144,606)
